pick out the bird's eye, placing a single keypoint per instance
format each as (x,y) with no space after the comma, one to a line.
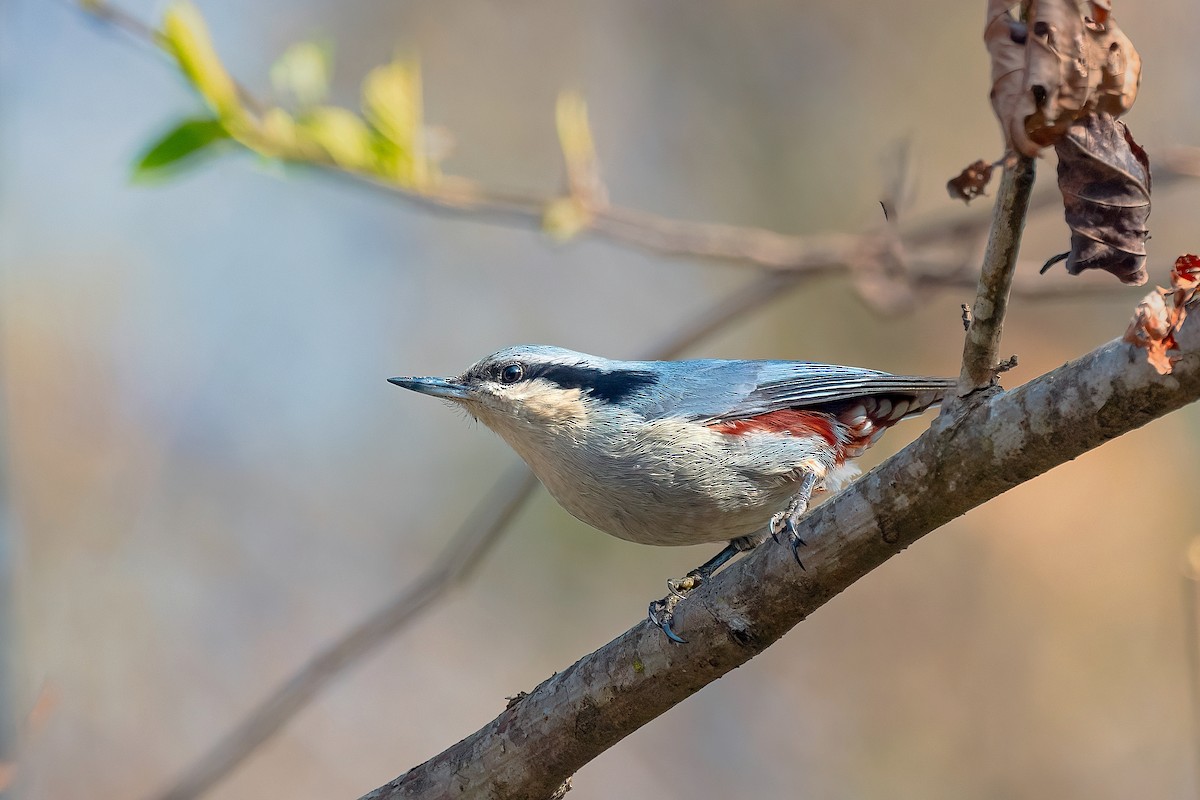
(512,373)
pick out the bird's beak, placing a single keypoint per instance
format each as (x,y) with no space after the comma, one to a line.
(438,387)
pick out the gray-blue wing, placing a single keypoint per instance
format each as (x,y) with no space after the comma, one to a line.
(723,390)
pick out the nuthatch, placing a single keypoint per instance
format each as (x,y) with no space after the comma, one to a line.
(683,452)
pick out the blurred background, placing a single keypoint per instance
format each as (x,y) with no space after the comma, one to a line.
(208,478)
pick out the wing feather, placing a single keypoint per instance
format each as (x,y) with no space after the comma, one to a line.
(751,388)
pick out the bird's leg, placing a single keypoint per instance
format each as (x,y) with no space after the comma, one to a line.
(661,611)
(787,520)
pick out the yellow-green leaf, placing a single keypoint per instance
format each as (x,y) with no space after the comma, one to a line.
(574,132)
(186,36)
(579,150)
(178,146)
(392,103)
(303,72)
(341,134)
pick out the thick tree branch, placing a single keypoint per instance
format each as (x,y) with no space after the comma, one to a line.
(979,451)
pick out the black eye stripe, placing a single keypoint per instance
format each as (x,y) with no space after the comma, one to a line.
(610,386)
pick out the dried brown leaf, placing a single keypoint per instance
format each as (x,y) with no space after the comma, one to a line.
(1069,59)
(971,182)
(1154,324)
(1149,329)
(1058,75)
(1185,277)
(1100,10)
(1005,38)
(1118,60)
(1104,177)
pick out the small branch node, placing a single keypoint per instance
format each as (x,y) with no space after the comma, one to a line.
(1005,365)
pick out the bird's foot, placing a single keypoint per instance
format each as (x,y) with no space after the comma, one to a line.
(662,611)
(662,614)
(788,520)
(785,522)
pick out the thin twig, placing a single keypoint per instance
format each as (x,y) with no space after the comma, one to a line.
(982,346)
(763,248)
(823,253)
(461,556)
(121,20)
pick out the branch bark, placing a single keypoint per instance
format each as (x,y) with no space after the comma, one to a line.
(982,347)
(972,453)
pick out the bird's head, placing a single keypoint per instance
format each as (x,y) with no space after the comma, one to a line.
(538,385)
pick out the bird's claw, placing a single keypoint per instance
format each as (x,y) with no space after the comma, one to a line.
(777,525)
(783,522)
(663,611)
(661,614)
(796,542)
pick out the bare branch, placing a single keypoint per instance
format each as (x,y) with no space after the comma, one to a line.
(982,346)
(814,253)
(821,253)
(465,551)
(964,460)
(121,20)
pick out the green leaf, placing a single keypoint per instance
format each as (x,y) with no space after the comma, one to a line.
(186,36)
(182,142)
(303,72)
